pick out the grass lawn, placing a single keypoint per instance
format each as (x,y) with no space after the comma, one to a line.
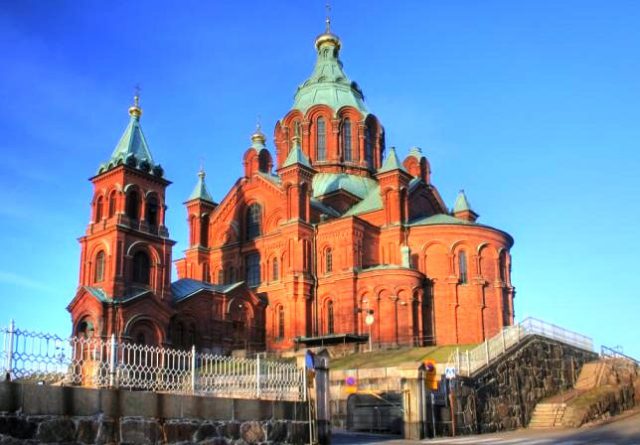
(395,357)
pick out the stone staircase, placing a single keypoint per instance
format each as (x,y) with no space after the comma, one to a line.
(551,413)
(547,415)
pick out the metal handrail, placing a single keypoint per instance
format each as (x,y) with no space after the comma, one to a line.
(481,356)
(607,352)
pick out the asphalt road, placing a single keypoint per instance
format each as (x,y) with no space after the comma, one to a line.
(622,431)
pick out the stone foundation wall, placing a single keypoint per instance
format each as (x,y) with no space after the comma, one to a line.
(21,429)
(33,414)
(503,396)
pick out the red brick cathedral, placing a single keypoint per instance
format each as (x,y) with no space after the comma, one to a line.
(304,247)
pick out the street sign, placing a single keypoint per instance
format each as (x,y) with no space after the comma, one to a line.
(450,373)
(351,385)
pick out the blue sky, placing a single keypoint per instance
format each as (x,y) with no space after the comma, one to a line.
(530,106)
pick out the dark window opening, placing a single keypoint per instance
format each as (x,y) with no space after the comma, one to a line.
(346,140)
(253,221)
(133,205)
(152,211)
(462,266)
(321,146)
(141,268)
(204,231)
(112,204)
(275,273)
(280,322)
(99,206)
(253,269)
(328,261)
(99,271)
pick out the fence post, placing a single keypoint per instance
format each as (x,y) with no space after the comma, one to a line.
(113,347)
(486,350)
(258,375)
(193,369)
(9,353)
(458,359)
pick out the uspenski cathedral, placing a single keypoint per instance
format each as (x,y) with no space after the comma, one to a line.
(328,238)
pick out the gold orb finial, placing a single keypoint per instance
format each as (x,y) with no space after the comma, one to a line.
(258,135)
(327,36)
(135,110)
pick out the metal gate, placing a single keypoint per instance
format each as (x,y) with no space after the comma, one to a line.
(376,413)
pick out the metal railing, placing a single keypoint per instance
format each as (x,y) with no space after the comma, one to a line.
(607,352)
(97,362)
(468,362)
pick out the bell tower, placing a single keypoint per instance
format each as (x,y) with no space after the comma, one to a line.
(126,250)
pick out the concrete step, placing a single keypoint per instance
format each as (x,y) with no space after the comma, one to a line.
(547,415)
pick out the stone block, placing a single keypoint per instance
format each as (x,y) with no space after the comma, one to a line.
(138,404)
(18,426)
(276,430)
(230,430)
(215,441)
(56,429)
(207,430)
(252,432)
(180,430)
(138,430)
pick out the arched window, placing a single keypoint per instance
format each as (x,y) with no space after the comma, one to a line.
(140,339)
(321,139)
(462,266)
(221,276)
(280,322)
(328,261)
(253,269)
(368,147)
(330,327)
(346,140)
(99,207)
(275,270)
(112,204)
(253,221)
(141,268)
(85,329)
(502,265)
(133,205)
(152,211)
(99,270)
(204,231)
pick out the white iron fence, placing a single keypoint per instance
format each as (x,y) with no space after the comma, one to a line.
(470,361)
(96,362)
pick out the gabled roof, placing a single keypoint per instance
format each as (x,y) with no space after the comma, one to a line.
(200,191)
(325,183)
(296,156)
(391,162)
(371,202)
(186,287)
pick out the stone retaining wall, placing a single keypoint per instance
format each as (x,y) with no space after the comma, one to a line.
(503,396)
(33,414)
(21,429)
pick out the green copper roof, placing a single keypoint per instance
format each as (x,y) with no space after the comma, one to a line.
(328,84)
(200,191)
(440,218)
(296,156)
(132,148)
(462,204)
(391,162)
(325,183)
(373,201)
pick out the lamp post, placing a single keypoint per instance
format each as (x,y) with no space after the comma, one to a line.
(368,319)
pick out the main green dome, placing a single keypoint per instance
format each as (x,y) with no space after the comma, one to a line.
(328,84)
